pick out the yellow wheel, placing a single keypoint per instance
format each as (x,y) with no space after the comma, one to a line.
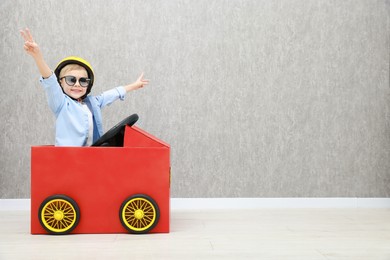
(139,214)
(59,214)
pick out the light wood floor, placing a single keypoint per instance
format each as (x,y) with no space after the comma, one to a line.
(324,234)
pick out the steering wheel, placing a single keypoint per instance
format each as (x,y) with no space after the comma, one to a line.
(114,136)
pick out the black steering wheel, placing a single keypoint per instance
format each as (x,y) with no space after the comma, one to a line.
(115,136)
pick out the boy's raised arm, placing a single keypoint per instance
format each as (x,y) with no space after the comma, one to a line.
(32,48)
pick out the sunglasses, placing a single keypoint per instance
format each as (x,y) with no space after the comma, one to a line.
(71,80)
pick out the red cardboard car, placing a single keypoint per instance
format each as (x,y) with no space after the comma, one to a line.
(102,189)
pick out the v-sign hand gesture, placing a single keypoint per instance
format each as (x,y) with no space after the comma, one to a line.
(30,46)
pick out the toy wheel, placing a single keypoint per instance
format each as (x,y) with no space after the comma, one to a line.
(59,214)
(139,214)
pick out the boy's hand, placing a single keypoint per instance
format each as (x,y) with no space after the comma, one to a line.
(30,46)
(139,83)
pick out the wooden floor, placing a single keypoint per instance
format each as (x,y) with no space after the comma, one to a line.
(218,234)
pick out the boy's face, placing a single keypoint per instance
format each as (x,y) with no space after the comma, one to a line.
(76,91)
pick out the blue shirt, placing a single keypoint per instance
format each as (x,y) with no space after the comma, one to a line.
(71,119)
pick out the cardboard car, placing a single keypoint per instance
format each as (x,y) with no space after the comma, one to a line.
(102,189)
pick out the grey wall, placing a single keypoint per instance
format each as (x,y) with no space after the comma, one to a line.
(272,98)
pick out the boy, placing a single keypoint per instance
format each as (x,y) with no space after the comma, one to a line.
(78,115)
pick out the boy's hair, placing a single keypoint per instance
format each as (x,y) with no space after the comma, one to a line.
(70,67)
